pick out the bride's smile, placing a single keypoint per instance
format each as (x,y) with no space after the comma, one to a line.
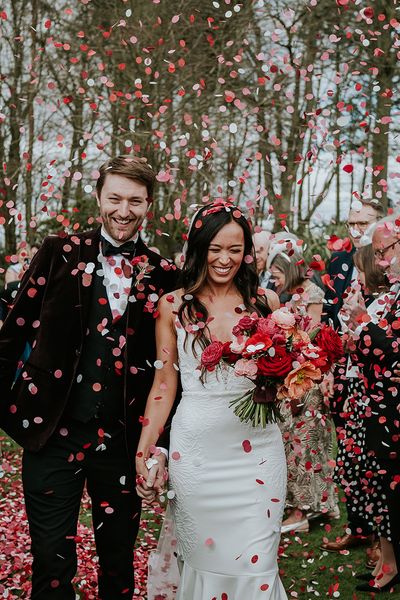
(225,254)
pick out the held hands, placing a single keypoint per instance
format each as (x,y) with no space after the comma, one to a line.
(151,475)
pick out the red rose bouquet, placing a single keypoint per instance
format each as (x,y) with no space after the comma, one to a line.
(281,356)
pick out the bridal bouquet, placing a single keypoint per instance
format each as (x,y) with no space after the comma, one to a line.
(280,354)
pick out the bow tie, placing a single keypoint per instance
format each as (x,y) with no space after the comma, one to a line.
(127,249)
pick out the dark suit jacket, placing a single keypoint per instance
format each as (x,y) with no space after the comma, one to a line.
(340,270)
(378,353)
(7,295)
(50,313)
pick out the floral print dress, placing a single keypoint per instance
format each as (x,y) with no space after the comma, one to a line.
(307,432)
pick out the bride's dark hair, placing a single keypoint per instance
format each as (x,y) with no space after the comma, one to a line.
(207,222)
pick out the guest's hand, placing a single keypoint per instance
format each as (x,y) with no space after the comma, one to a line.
(353,308)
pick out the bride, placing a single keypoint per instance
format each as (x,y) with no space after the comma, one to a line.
(227,478)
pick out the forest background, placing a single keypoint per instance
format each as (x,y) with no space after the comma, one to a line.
(291,108)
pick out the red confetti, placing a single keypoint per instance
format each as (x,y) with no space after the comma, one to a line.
(254,559)
(348,168)
(246,446)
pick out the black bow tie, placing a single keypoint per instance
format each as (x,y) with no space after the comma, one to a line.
(127,249)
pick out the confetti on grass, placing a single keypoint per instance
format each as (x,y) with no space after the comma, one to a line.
(15,558)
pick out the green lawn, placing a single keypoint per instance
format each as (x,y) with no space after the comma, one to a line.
(306,571)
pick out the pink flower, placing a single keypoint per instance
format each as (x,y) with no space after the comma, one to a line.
(268,327)
(245,324)
(246,368)
(283,318)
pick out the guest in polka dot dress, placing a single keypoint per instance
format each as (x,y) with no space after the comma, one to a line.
(378,355)
(364,303)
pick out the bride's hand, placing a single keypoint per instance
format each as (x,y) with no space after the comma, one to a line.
(150,476)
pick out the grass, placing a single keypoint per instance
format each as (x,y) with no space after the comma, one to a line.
(306,571)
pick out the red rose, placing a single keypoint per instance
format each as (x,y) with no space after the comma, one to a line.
(330,342)
(227,354)
(211,355)
(256,340)
(278,365)
(245,325)
(322,362)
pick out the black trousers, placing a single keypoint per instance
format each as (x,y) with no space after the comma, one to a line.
(53,480)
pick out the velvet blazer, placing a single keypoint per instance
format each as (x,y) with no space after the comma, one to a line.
(50,314)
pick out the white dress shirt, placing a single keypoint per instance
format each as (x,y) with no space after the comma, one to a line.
(118,282)
(117,276)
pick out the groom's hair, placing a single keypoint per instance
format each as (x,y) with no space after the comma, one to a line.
(131,167)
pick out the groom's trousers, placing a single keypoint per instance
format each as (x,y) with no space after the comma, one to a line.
(54,479)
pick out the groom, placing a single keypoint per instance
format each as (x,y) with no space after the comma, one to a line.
(87,308)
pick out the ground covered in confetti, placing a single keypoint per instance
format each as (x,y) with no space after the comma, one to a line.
(15,559)
(306,571)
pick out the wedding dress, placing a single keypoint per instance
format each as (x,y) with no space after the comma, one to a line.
(228,482)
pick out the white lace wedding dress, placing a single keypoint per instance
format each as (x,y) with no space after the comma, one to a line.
(229,481)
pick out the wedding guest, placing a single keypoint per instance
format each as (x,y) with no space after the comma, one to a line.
(34,248)
(351,466)
(87,308)
(20,263)
(261,241)
(343,275)
(363,214)
(378,356)
(307,428)
(286,241)
(178,258)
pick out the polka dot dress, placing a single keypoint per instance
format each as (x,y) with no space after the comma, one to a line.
(356,471)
